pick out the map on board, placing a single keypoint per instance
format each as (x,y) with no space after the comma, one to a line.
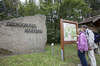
(69,32)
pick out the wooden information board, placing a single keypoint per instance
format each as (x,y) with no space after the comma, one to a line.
(68,33)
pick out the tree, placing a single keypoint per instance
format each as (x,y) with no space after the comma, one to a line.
(10,9)
(28,9)
(49,9)
(67,9)
(95,6)
(2,9)
(74,9)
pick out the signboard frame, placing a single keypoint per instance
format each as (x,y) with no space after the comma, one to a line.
(62,35)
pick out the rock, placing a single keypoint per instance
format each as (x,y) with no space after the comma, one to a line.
(23,35)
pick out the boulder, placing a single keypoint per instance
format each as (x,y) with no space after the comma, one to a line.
(23,35)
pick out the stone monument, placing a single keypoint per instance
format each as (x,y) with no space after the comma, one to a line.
(23,35)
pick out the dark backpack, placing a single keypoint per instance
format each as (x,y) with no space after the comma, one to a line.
(96,37)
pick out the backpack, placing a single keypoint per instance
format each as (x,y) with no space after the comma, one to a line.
(96,37)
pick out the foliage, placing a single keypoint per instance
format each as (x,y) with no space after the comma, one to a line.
(47,7)
(74,9)
(95,6)
(67,9)
(28,9)
(8,9)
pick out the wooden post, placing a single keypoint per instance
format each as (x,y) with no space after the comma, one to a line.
(62,40)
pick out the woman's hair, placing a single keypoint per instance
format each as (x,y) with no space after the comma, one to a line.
(84,26)
(80,30)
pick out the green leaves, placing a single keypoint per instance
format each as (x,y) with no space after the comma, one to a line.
(74,9)
(47,7)
(29,9)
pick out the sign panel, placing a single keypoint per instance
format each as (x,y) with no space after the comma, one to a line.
(69,32)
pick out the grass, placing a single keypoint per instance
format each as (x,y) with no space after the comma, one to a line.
(45,58)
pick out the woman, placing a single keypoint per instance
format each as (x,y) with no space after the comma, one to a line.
(82,47)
